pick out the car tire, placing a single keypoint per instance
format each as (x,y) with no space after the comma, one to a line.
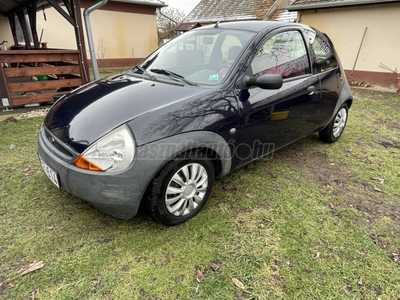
(181,189)
(335,128)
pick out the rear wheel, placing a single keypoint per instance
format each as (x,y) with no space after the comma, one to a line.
(335,128)
(181,189)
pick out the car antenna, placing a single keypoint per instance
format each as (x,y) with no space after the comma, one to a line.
(216,25)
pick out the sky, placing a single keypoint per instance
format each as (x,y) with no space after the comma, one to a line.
(185,5)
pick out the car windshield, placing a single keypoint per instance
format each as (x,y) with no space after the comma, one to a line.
(197,57)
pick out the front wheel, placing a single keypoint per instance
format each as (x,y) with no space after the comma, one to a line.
(335,128)
(181,189)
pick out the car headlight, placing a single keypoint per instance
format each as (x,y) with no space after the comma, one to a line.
(112,153)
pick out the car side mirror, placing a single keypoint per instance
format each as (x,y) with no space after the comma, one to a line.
(266,81)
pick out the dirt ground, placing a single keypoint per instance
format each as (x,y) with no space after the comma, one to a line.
(370,94)
(365,196)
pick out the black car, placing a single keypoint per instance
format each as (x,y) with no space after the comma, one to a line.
(197,108)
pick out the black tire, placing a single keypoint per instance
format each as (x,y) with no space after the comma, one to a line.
(335,128)
(194,193)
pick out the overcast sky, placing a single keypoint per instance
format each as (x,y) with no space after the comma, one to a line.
(185,5)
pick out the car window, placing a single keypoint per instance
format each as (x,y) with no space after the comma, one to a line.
(230,48)
(201,56)
(284,54)
(195,51)
(324,55)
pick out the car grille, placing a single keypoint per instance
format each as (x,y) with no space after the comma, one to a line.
(59,146)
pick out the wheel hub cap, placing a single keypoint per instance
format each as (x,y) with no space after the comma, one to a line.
(340,122)
(190,190)
(186,189)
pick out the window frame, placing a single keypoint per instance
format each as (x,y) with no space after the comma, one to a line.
(272,33)
(328,43)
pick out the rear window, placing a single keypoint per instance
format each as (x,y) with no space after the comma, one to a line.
(324,55)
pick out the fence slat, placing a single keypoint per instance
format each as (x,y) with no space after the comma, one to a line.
(43,85)
(37,58)
(26,72)
(20,100)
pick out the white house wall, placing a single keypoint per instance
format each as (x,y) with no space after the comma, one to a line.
(345,26)
(115,34)
(5,32)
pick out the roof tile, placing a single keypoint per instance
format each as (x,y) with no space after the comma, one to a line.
(220,10)
(308,2)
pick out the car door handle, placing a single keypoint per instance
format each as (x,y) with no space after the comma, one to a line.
(311,90)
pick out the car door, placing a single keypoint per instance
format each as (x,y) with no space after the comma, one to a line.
(329,73)
(271,119)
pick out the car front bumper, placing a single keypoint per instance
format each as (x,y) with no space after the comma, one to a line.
(118,194)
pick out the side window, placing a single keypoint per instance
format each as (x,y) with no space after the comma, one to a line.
(324,55)
(284,54)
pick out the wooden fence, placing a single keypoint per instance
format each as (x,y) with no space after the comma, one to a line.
(34,76)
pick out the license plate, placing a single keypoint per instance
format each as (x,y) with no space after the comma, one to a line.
(51,174)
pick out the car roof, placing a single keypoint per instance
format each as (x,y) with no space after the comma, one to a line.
(255,26)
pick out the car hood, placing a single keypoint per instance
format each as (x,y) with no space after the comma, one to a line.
(91,111)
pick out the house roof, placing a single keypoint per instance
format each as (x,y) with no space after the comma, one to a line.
(8,6)
(316,4)
(285,16)
(157,3)
(187,26)
(208,11)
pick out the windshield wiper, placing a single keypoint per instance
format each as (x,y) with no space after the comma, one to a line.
(173,74)
(143,70)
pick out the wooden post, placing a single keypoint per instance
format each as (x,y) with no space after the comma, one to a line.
(11,19)
(62,12)
(22,21)
(4,94)
(32,21)
(80,39)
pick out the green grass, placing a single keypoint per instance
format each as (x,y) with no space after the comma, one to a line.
(107,72)
(313,226)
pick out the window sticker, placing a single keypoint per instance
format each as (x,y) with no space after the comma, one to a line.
(214,77)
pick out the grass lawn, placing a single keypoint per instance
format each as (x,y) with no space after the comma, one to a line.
(318,221)
(107,72)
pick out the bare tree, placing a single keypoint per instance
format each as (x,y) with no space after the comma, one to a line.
(165,22)
(101,51)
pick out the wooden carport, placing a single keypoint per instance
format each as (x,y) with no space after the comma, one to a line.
(31,74)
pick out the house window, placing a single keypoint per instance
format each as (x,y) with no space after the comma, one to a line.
(324,55)
(284,54)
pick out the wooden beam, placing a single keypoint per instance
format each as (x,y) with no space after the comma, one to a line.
(20,7)
(62,12)
(36,58)
(47,97)
(3,87)
(26,72)
(41,51)
(32,21)
(43,85)
(22,21)
(11,20)
(68,5)
(80,39)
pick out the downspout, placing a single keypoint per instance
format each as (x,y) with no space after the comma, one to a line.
(86,13)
